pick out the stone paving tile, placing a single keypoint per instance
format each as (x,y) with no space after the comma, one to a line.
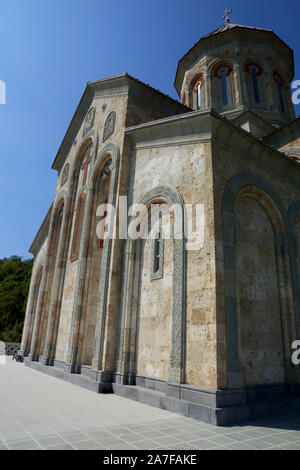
(61,447)
(134,438)
(17,436)
(146,445)
(75,437)
(202,444)
(99,434)
(110,441)
(85,445)
(123,447)
(239,446)
(274,441)
(44,414)
(50,441)
(290,447)
(182,446)
(257,444)
(221,440)
(153,435)
(203,433)
(166,441)
(186,437)
(23,445)
(238,436)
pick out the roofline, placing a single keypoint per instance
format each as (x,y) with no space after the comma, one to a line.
(211,35)
(282,128)
(39,234)
(92,84)
(213,113)
(257,116)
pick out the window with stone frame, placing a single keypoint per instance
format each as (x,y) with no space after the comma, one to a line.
(279,83)
(157,255)
(77,227)
(255,79)
(223,90)
(197,93)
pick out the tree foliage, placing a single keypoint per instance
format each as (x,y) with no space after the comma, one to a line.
(15,276)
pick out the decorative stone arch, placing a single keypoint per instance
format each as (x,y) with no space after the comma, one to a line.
(293,214)
(220,91)
(108,152)
(178,341)
(216,62)
(32,308)
(190,84)
(273,206)
(55,278)
(40,329)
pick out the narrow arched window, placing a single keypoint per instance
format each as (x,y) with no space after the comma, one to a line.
(197,93)
(223,74)
(255,71)
(157,253)
(279,85)
(223,88)
(77,227)
(103,222)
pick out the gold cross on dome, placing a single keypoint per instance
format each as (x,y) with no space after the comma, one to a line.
(226,17)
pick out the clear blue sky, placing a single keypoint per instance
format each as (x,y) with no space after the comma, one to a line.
(51,48)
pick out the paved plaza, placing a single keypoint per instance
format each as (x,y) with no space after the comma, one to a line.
(41,412)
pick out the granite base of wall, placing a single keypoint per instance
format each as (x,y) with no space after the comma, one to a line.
(217,407)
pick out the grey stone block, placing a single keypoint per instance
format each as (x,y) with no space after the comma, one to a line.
(149,398)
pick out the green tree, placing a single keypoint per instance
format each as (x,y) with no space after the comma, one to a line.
(15,276)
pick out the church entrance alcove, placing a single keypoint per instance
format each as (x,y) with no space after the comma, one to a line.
(260,322)
(154,283)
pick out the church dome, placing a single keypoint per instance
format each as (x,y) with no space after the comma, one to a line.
(237,68)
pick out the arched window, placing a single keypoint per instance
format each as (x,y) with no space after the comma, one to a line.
(86,160)
(157,253)
(223,89)
(197,93)
(103,222)
(255,71)
(77,227)
(279,85)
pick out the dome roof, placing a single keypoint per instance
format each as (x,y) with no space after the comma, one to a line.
(228,26)
(232,32)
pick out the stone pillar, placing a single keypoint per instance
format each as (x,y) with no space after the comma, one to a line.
(57,280)
(124,356)
(244,86)
(78,306)
(30,313)
(238,87)
(270,99)
(208,90)
(35,345)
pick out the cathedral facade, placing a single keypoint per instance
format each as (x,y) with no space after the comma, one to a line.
(206,331)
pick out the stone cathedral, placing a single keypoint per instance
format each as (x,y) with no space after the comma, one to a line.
(206,333)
